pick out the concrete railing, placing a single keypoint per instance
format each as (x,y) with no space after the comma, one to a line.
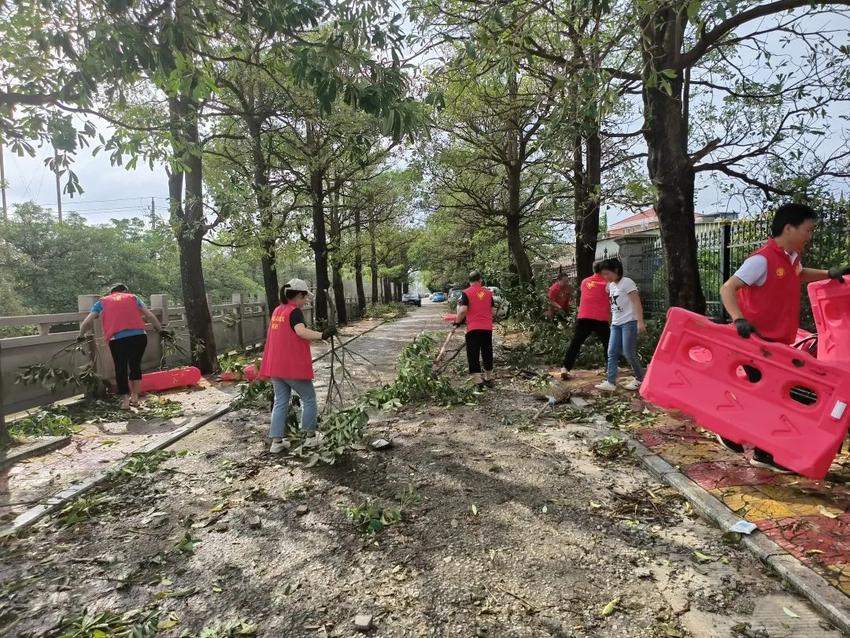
(237,325)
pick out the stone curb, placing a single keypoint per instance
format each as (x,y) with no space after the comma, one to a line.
(828,600)
(60,499)
(37,448)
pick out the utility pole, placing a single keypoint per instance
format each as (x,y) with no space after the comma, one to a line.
(58,185)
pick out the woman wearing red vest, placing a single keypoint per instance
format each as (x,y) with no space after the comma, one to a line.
(763,296)
(287,361)
(123,316)
(476,308)
(594,314)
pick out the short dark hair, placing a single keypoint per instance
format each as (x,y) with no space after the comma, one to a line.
(474,276)
(613,264)
(790,214)
(597,266)
(118,288)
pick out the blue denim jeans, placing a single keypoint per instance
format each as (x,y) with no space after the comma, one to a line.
(282,394)
(623,342)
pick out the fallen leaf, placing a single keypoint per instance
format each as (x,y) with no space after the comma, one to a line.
(172,621)
(704,558)
(826,512)
(545,509)
(219,508)
(789,613)
(474,509)
(608,609)
(595,505)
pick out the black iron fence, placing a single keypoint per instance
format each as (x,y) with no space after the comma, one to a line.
(723,247)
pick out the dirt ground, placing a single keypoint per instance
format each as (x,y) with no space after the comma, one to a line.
(507,527)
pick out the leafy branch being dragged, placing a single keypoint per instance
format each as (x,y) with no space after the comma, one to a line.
(343,428)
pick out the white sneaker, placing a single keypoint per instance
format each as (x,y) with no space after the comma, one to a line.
(278,446)
(606,387)
(634,384)
(314,440)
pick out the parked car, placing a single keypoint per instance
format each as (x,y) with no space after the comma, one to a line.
(454,294)
(438,297)
(411,299)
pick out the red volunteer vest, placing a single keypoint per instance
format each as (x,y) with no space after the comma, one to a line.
(120,312)
(479,315)
(594,303)
(774,308)
(286,356)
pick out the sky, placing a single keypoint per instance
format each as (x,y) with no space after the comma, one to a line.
(109,191)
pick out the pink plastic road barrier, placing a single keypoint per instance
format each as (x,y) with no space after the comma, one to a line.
(806,341)
(753,392)
(168,379)
(831,309)
(450,318)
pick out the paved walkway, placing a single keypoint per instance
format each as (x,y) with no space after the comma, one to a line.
(100,445)
(808,519)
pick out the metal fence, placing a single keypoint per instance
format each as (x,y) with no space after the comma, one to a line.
(724,246)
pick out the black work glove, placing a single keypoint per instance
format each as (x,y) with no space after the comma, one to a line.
(82,338)
(744,328)
(328,333)
(458,325)
(839,272)
(165,332)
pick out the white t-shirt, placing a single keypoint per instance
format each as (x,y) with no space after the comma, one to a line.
(753,271)
(622,306)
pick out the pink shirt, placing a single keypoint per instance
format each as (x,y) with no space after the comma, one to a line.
(594,302)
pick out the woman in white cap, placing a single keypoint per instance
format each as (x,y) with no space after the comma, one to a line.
(287,361)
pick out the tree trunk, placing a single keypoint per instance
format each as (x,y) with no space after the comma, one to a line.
(270,280)
(388,290)
(320,247)
(520,257)
(268,234)
(666,133)
(334,247)
(190,228)
(373,260)
(587,204)
(339,295)
(358,265)
(513,169)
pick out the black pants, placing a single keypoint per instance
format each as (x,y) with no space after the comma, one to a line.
(479,345)
(585,328)
(127,354)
